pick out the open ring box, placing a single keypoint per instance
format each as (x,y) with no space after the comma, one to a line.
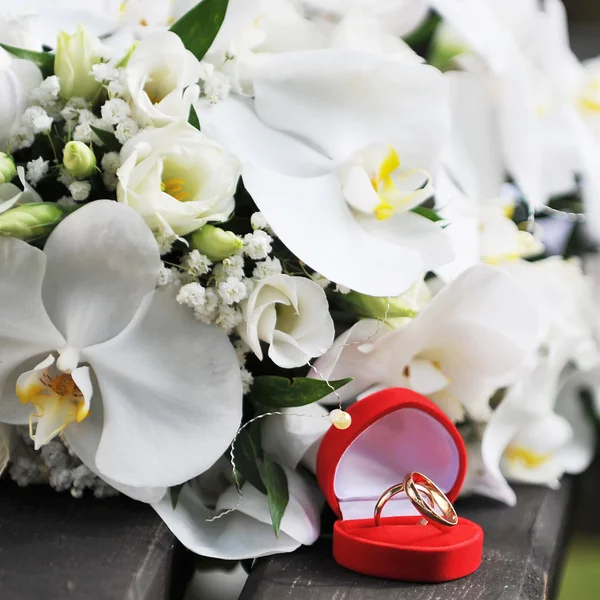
(394,432)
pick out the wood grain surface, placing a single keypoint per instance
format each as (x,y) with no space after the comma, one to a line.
(55,547)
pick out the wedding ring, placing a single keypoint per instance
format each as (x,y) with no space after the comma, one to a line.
(425,496)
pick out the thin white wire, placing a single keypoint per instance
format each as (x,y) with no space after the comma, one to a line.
(287,414)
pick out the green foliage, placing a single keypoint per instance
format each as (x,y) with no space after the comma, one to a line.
(199,26)
(428,213)
(107,138)
(276,482)
(193,118)
(280,392)
(248,453)
(43,60)
(373,307)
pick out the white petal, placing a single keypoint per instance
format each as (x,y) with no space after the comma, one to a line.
(102,262)
(84,438)
(247,532)
(414,232)
(314,222)
(577,454)
(424,377)
(346,359)
(292,435)
(169,410)
(341,101)
(473,155)
(234,124)
(25,328)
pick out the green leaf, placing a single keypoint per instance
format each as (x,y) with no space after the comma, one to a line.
(247,454)
(281,392)
(428,213)
(43,60)
(373,307)
(199,26)
(107,138)
(277,491)
(193,118)
(175,491)
(423,33)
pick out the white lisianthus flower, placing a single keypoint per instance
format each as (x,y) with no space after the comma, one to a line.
(162,83)
(17,78)
(291,314)
(246,531)
(22,31)
(177,179)
(472,338)
(86,349)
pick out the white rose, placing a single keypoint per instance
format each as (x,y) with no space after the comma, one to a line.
(22,31)
(291,314)
(17,78)
(176,179)
(160,75)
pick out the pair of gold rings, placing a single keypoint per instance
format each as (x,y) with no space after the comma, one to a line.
(426,497)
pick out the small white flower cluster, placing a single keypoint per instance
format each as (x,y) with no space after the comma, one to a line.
(215,84)
(112,77)
(55,463)
(110,164)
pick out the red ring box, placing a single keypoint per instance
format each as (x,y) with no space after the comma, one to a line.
(394,432)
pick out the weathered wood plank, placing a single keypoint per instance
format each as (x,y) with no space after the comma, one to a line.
(55,547)
(523,549)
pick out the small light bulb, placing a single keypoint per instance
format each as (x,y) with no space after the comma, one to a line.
(340,419)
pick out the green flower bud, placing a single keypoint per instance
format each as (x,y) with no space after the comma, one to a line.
(8,171)
(75,55)
(401,307)
(216,243)
(79,160)
(32,220)
(123,62)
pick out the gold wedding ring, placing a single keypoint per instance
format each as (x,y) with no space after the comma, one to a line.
(425,496)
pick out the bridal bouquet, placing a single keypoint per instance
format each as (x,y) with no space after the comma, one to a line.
(222,223)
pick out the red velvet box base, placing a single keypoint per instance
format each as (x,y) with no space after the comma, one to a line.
(401,548)
(393,432)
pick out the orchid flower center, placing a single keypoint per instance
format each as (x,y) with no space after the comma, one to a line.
(525,457)
(374,183)
(56,397)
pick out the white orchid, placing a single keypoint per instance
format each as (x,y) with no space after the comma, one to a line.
(176,179)
(399,16)
(538,433)
(473,337)
(291,314)
(17,78)
(316,125)
(246,532)
(162,85)
(86,348)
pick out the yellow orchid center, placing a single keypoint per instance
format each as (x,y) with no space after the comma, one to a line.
(392,199)
(174,186)
(57,401)
(526,457)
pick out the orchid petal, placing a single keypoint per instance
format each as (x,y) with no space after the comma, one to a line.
(247,531)
(424,377)
(83,438)
(25,327)
(412,231)
(291,436)
(341,101)
(337,247)
(159,430)
(577,454)
(259,143)
(102,262)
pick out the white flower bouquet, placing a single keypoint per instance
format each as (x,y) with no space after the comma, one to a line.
(222,223)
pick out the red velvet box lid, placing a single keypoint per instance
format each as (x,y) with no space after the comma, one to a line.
(393,432)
